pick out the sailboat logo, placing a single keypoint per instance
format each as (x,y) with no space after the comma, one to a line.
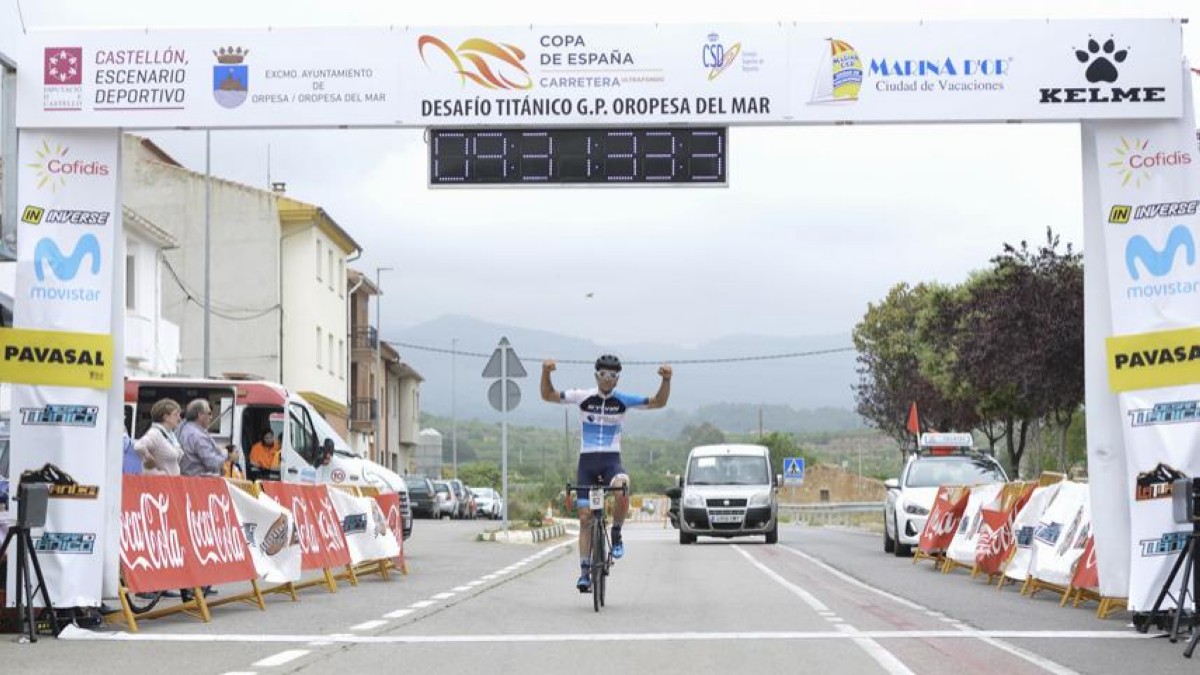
(839,73)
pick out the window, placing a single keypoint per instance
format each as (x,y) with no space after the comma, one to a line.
(329,256)
(130,282)
(319,346)
(342,277)
(341,359)
(331,361)
(319,261)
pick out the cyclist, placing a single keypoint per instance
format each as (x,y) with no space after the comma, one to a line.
(601,413)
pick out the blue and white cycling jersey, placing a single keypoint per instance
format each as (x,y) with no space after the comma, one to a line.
(601,417)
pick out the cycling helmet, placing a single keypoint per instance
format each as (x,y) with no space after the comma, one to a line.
(608,362)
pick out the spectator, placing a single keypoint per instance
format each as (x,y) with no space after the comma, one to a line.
(201,454)
(159,447)
(131,462)
(264,457)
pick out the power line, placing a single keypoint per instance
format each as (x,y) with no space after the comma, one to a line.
(730,359)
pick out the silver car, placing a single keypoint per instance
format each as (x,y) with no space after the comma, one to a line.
(489,504)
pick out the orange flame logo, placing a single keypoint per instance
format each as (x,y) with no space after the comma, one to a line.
(485,62)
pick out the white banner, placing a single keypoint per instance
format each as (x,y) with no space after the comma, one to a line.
(365,526)
(1149,190)
(962,547)
(271,536)
(700,74)
(67,187)
(1061,535)
(1024,526)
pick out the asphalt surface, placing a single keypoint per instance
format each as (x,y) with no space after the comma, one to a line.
(823,599)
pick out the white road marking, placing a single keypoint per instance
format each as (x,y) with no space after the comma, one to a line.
(472,584)
(369,625)
(882,656)
(986,636)
(280,658)
(460,589)
(122,636)
(443,596)
(422,604)
(489,577)
(398,613)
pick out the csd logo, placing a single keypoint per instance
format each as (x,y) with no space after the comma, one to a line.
(1159,262)
(47,254)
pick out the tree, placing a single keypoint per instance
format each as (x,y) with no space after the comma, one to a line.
(480,474)
(890,377)
(701,434)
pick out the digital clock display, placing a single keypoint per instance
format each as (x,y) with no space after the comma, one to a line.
(591,155)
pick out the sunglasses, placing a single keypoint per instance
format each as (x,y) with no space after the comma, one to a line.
(607,374)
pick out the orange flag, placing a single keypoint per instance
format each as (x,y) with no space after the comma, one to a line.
(914,426)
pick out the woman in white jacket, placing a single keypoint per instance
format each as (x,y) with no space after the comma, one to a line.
(158,447)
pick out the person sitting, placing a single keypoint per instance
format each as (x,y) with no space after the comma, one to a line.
(264,457)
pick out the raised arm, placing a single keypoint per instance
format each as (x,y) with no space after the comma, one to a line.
(549,393)
(659,399)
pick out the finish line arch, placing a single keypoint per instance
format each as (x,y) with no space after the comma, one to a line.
(1125,81)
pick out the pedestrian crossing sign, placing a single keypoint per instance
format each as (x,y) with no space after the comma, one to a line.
(793,470)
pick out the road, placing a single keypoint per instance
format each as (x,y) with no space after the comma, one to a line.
(822,600)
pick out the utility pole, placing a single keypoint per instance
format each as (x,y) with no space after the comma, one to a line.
(453,404)
(207,251)
(380,376)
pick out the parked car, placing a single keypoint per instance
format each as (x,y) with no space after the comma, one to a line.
(422,496)
(447,503)
(940,459)
(488,503)
(465,505)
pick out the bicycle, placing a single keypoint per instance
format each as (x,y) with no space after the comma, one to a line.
(602,559)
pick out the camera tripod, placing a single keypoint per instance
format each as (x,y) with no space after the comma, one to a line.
(1184,596)
(26,554)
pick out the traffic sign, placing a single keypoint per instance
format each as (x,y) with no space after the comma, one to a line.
(511,362)
(793,470)
(496,396)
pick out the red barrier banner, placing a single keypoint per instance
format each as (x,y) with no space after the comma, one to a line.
(322,544)
(996,540)
(1086,573)
(389,503)
(942,523)
(154,534)
(217,541)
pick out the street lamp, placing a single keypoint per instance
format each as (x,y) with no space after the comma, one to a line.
(380,378)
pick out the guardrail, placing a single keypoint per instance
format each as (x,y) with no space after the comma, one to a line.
(847,514)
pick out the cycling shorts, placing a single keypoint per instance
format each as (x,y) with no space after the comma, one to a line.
(597,468)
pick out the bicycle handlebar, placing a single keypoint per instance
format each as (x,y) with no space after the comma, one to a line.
(606,488)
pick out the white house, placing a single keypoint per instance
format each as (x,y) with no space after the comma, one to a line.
(151,341)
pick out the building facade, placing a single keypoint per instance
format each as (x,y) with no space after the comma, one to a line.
(151,341)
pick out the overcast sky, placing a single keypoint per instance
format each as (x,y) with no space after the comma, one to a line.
(816,222)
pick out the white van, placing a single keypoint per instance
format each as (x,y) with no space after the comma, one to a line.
(728,491)
(244,409)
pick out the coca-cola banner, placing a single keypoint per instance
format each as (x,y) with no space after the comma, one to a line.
(179,532)
(939,529)
(995,540)
(1023,526)
(368,536)
(962,547)
(270,535)
(154,534)
(389,502)
(1061,535)
(322,544)
(1086,575)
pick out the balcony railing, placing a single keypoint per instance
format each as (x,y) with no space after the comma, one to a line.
(364,338)
(363,413)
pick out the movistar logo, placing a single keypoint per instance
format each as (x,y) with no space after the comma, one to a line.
(1159,262)
(65,267)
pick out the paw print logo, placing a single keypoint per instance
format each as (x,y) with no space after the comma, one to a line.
(1101,58)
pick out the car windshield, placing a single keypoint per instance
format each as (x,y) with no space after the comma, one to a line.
(932,472)
(728,470)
